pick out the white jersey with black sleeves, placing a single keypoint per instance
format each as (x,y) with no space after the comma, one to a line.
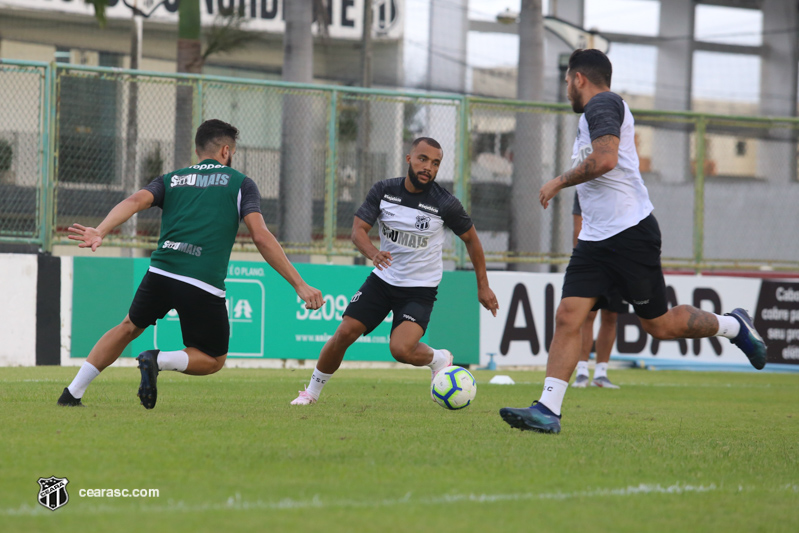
(618,199)
(412,228)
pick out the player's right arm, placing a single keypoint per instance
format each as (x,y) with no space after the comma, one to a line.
(365,218)
(121,213)
(600,161)
(273,254)
(361,240)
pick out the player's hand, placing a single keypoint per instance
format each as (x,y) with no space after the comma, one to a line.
(382,260)
(488,299)
(89,237)
(312,297)
(548,192)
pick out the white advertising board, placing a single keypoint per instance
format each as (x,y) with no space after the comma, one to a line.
(345,16)
(522,332)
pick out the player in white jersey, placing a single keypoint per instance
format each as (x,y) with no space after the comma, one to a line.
(413,213)
(618,247)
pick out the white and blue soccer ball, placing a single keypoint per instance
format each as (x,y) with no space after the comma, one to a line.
(454,388)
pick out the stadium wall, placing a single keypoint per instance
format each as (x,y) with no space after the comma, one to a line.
(18,285)
(522,332)
(57,308)
(62,305)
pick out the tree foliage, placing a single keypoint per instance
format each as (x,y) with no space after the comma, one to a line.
(99,10)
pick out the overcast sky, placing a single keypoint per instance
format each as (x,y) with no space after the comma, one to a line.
(720,76)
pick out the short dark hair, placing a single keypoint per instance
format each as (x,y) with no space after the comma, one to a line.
(593,64)
(214,131)
(429,140)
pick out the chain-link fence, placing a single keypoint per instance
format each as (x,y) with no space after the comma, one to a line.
(725,189)
(24,110)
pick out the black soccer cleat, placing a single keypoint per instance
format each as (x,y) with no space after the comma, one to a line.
(148,365)
(67,400)
(537,417)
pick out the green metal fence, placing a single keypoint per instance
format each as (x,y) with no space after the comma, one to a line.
(76,140)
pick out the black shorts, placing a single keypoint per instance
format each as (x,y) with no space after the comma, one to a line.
(612,302)
(628,261)
(203,316)
(376,298)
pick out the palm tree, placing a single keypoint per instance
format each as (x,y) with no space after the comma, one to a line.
(189,61)
(225,36)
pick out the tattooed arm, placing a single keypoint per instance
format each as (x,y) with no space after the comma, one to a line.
(601,160)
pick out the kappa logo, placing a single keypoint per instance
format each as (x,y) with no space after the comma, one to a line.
(428,208)
(422,222)
(53,492)
(409,317)
(355,297)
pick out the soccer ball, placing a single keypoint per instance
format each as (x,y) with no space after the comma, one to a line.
(454,388)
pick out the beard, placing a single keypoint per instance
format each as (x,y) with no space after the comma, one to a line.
(576,101)
(229,161)
(415,180)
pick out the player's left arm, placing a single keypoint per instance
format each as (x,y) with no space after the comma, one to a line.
(603,158)
(475,248)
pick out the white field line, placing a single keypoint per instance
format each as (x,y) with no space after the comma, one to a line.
(236,503)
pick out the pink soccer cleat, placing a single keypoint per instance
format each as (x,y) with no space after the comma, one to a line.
(433,374)
(305,398)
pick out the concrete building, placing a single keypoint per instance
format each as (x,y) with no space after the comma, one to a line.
(37,29)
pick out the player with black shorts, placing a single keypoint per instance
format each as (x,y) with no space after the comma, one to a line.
(611,305)
(618,247)
(202,207)
(413,213)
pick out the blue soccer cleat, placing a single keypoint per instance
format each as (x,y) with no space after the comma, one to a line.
(537,417)
(148,365)
(748,339)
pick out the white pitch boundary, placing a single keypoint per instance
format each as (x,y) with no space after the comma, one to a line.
(236,503)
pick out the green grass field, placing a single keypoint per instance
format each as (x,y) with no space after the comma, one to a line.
(668,452)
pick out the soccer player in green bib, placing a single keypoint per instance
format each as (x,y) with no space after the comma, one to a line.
(202,206)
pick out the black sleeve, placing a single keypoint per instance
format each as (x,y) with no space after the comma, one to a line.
(157,188)
(250,198)
(605,114)
(370,209)
(455,216)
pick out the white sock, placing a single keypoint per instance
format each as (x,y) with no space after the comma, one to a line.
(440,360)
(318,380)
(554,391)
(601,370)
(582,368)
(728,327)
(85,376)
(177,360)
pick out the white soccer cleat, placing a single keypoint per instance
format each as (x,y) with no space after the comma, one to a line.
(604,383)
(433,374)
(304,398)
(581,381)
